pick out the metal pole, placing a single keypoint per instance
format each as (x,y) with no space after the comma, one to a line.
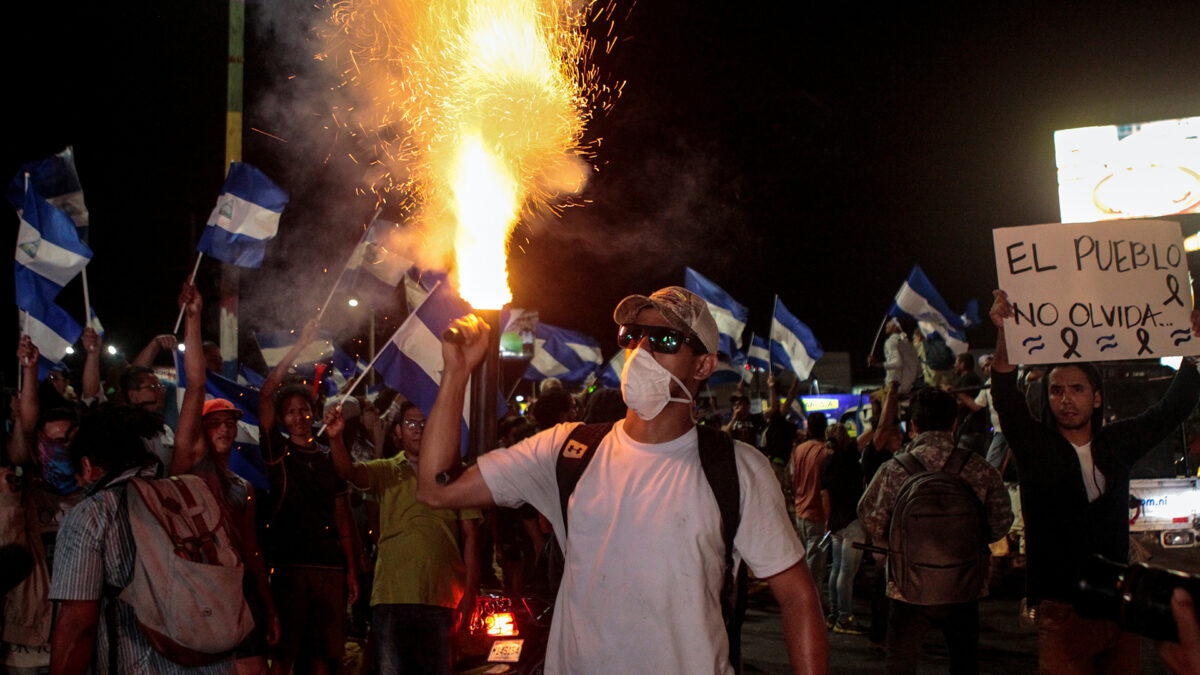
(233,153)
(485,387)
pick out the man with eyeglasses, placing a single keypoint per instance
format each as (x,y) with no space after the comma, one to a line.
(424,585)
(644,550)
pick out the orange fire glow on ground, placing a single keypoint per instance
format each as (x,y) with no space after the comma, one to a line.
(479,109)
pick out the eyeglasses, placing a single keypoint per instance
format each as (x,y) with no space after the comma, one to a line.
(413,424)
(157,386)
(663,340)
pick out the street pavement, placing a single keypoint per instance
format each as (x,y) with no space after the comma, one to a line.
(1005,647)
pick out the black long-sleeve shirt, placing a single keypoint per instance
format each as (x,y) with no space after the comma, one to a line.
(1062,529)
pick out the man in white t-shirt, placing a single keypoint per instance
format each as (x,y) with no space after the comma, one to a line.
(645,556)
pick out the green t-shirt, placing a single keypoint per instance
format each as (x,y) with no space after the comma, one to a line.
(419,559)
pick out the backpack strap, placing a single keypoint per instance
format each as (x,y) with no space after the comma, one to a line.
(574,456)
(956,461)
(719,463)
(910,463)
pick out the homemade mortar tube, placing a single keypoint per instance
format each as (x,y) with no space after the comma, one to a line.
(485,388)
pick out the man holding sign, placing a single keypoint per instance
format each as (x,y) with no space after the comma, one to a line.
(1074,474)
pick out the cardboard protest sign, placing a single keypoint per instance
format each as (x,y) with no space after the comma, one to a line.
(1095,291)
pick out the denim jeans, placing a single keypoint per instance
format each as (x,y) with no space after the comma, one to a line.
(844,567)
(412,638)
(997,450)
(811,532)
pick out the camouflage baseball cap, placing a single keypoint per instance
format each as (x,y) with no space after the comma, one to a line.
(684,311)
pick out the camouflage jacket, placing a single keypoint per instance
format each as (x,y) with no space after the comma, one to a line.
(932,449)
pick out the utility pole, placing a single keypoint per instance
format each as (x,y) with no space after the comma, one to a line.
(233,153)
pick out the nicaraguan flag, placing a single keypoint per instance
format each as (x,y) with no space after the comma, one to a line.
(57,181)
(918,299)
(411,362)
(759,355)
(729,371)
(729,314)
(245,218)
(610,374)
(419,283)
(48,255)
(275,345)
(564,354)
(375,267)
(246,459)
(793,345)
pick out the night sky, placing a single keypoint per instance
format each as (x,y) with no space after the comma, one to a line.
(814,154)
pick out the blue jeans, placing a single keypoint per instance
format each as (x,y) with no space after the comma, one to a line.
(412,638)
(846,560)
(811,532)
(997,450)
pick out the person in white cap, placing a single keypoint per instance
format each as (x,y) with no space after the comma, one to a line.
(644,550)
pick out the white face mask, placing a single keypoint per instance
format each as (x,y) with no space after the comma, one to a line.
(646,385)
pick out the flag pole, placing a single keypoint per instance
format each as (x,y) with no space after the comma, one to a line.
(875,342)
(329,297)
(513,390)
(370,366)
(178,319)
(87,302)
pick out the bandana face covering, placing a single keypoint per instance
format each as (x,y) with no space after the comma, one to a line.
(646,385)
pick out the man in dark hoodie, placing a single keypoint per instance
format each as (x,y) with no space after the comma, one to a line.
(1074,475)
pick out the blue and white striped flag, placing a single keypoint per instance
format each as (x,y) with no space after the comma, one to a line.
(245,218)
(610,374)
(758,357)
(793,345)
(48,255)
(918,299)
(729,314)
(563,354)
(57,181)
(411,362)
(275,345)
(375,267)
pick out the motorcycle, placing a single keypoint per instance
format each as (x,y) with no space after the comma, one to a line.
(506,635)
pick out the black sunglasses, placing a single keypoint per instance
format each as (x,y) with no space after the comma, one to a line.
(663,340)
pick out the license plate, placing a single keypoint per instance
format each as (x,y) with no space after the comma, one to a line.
(505,651)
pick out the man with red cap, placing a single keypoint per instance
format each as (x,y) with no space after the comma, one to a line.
(644,551)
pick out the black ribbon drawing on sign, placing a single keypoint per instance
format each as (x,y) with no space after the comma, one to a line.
(1143,337)
(1173,286)
(1071,339)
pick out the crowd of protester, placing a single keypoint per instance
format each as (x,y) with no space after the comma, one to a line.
(340,551)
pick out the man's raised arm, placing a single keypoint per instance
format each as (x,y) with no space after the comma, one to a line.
(443,430)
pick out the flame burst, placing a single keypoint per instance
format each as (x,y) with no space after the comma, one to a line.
(477,109)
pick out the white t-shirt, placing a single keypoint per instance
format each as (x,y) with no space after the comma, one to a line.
(645,559)
(985,399)
(1093,480)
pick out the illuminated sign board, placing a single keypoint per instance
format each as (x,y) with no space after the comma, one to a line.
(1128,170)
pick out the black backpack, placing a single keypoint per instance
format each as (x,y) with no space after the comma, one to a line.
(938,354)
(937,538)
(720,469)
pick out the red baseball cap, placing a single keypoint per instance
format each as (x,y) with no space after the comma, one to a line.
(216,405)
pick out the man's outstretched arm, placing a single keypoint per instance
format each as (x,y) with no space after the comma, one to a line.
(443,430)
(803,623)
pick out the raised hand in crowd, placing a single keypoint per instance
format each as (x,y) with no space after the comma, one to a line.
(92,345)
(30,405)
(157,345)
(189,438)
(343,463)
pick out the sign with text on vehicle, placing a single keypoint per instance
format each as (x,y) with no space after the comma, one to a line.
(1095,291)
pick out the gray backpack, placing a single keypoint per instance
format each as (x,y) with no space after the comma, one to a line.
(186,589)
(937,538)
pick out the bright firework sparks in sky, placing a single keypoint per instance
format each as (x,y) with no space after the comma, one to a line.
(477,109)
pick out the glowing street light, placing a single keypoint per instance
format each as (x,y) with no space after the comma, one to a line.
(353,302)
